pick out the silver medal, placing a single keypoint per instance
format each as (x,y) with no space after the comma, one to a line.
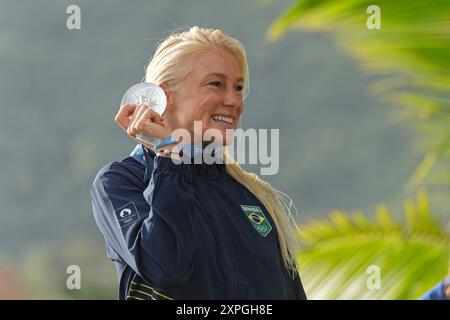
(148,94)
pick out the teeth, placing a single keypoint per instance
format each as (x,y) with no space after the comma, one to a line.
(222,118)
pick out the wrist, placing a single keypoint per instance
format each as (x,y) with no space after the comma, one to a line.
(166,142)
(164,148)
(169,151)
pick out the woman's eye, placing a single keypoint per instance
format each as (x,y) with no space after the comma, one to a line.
(219,84)
(216,83)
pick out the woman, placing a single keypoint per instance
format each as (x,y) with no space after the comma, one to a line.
(194,231)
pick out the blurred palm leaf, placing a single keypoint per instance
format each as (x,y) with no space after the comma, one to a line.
(338,251)
(411,50)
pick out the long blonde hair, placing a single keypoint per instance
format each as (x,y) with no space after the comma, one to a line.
(171,64)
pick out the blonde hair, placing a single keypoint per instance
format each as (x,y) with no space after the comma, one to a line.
(171,64)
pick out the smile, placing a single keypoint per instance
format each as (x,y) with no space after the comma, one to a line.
(221,118)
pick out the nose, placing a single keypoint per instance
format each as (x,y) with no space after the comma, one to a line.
(233,98)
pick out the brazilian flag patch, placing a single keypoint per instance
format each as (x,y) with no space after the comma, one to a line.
(257,219)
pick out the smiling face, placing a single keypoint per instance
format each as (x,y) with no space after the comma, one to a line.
(212,93)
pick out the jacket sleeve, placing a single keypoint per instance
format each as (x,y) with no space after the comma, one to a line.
(437,292)
(150,228)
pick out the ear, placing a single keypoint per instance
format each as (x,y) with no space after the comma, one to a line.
(170,95)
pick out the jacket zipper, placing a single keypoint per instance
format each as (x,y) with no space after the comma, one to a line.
(222,236)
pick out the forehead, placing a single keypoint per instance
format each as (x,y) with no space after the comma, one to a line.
(216,62)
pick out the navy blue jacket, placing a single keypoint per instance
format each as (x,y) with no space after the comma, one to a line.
(187,231)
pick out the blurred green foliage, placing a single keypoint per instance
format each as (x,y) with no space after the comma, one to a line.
(411,54)
(61,88)
(339,254)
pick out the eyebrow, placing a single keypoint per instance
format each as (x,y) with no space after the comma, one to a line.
(221,75)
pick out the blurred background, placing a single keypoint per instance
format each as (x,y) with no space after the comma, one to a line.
(364,118)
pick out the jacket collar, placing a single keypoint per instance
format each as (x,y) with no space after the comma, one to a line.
(145,157)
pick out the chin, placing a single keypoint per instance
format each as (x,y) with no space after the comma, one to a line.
(228,140)
(219,135)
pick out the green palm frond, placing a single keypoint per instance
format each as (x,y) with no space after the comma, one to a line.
(412,50)
(338,254)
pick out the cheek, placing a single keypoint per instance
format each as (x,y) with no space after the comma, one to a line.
(197,110)
(206,108)
(188,112)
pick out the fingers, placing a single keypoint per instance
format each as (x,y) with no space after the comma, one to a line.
(155,117)
(138,119)
(151,129)
(125,115)
(149,123)
(137,116)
